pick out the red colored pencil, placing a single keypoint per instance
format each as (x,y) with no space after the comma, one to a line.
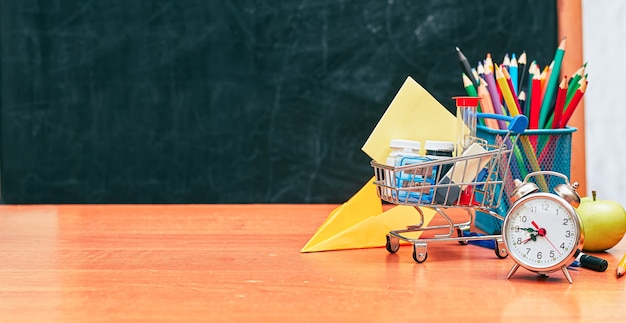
(569,109)
(535,102)
(560,103)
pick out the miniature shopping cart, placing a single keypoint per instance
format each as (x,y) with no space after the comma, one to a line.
(473,181)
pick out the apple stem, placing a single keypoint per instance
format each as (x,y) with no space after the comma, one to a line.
(593,194)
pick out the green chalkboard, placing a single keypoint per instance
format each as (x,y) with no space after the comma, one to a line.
(242,101)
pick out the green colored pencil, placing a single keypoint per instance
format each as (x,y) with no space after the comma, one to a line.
(471,91)
(551,87)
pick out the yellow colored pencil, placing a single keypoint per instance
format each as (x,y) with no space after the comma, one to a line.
(621,267)
(528,148)
(506,92)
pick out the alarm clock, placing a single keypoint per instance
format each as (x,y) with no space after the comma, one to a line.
(542,231)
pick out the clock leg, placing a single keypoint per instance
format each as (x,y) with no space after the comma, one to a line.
(566,273)
(513,270)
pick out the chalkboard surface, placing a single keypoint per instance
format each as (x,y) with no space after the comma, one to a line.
(242,101)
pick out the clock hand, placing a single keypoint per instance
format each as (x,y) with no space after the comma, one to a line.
(532,237)
(542,233)
(552,244)
(535,225)
(530,230)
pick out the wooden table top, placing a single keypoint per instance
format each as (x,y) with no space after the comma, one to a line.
(214,263)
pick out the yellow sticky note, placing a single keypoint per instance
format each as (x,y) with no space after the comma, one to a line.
(413,114)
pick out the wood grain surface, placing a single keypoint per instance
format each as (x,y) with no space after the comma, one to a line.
(219,263)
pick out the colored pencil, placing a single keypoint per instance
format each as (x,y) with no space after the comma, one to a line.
(552,82)
(621,266)
(509,81)
(469,86)
(560,104)
(574,82)
(506,62)
(471,91)
(503,79)
(545,75)
(476,76)
(466,67)
(513,71)
(489,62)
(569,109)
(511,107)
(480,69)
(522,101)
(546,157)
(531,156)
(535,102)
(487,105)
(521,66)
(529,87)
(493,92)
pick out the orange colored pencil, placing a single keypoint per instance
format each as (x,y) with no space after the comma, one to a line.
(545,77)
(487,104)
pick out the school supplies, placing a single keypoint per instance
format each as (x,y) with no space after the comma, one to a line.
(543,99)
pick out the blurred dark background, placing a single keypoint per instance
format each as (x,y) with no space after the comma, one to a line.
(156,101)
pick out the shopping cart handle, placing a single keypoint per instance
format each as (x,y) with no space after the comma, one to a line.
(517,124)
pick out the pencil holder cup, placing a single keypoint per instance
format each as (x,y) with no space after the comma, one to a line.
(535,150)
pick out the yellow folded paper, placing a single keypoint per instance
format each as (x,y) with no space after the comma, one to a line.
(360,223)
(413,114)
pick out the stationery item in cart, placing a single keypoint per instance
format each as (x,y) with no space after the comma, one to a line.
(462,173)
(413,183)
(405,153)
(439,150)
(400,148)
(466,109)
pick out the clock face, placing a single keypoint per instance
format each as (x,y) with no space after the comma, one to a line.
(542,232)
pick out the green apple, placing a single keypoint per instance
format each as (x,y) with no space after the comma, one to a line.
(604,222)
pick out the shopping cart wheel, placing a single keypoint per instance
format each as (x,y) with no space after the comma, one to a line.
(419,253)
(500,249)
(393,244)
